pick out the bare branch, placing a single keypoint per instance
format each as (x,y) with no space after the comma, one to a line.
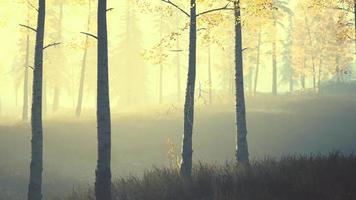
(216,9)
(89,34)
(29,27)
(200,29)
(50,45)
(175,5)
(109,9)
(32,6)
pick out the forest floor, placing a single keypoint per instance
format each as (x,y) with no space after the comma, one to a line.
(278,126)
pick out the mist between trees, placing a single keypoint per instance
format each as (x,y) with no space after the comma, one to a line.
(137,56)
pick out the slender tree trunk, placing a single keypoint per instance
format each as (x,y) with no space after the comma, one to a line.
(78,110)
(314,78)
(319,75)
(187,150)
(56,96)
(291,83)
(312,54)
(84,64)
(257,63)
(103,171)
(302,77)
(44,96)
(274,69)
(242,156)
(160,98)
(178,73)
(210,82)
(338,78)
(25,82)
(35,182)
(178,61)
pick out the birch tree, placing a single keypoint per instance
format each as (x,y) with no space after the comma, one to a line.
(187,146)
(35,182)
(103,171)
(242,155)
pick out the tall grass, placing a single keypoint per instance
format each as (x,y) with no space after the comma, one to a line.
(314,177)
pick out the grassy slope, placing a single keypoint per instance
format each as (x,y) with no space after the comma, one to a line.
(277,126)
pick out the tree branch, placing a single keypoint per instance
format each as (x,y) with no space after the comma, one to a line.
(29,27)
(201,29)
(89,34)
(335,8)
(109,9)
(175,5)
(32,6)
(216,9)
(50,45)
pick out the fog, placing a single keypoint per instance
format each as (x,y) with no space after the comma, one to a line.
(314,111)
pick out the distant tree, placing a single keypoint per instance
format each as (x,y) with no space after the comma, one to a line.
(78,109)
(131,72)
(55,74)
(287,68)
(278,8)
(26,74)
(322,43)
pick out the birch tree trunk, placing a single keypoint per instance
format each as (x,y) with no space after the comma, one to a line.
(35,182)
(103,171)
(25,82)
(187,149)
(242,155)
(78,110)
(257,63)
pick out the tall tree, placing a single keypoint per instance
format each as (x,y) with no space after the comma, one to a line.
(187,147)
(241,136)
(35,182)
(103,171)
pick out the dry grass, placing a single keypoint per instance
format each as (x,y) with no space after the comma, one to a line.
(314,177)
